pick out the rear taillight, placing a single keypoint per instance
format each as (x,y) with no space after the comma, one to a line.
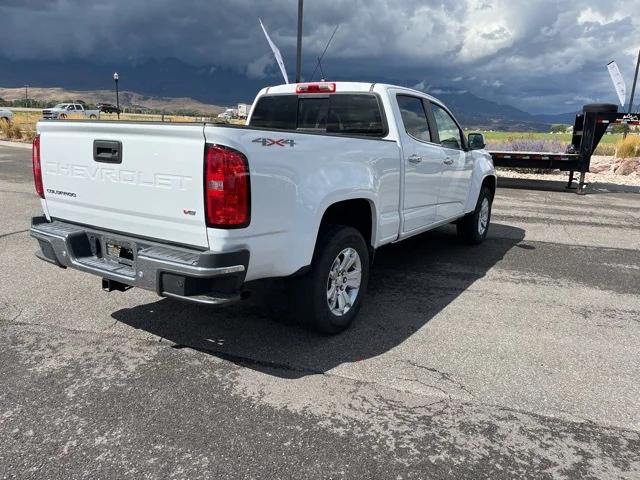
(227,189)
(37,169)
(324,87)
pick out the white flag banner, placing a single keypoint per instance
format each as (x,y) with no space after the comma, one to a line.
(276,53)
(618,82)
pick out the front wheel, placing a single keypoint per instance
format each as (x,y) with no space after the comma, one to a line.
(473,228)
(329,296)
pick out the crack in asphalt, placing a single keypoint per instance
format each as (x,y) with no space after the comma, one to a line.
(544,221)
(17,192)
(13,233)
(444,376)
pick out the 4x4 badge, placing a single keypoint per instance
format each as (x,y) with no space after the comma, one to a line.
(279,142)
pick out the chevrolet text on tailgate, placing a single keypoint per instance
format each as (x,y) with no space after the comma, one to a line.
(321,176)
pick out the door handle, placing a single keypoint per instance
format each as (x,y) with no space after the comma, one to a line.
(414,158)
(448,161)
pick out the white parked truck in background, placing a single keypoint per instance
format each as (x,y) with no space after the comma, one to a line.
(321,176)
(69,110)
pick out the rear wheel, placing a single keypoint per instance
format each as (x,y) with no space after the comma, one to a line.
(92,117)
(328,298)
(473,228)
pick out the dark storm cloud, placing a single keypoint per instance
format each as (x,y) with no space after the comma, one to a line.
(538,55)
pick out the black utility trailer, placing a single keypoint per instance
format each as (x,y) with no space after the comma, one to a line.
(588,129)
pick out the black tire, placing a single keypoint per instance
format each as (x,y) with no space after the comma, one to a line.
(468,227)
(92,117)
(62,116)
(311,307)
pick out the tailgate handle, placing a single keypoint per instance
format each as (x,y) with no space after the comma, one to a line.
(107,151)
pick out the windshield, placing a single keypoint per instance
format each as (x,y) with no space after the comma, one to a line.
(61,105)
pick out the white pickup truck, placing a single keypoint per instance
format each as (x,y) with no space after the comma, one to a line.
(69,110)
(321,176)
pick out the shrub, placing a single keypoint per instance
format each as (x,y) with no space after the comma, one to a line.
(629,147)
(28,135)
(527,145)
(16,132)
(11,130)
(5,128)
(605,149)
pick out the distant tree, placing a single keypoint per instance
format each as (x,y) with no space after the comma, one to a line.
(559,128)
(620,128)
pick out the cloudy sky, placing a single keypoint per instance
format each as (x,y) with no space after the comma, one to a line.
(539,55)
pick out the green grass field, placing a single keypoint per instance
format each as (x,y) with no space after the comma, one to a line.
(499,137)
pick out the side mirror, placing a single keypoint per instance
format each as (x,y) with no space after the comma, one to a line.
(476,141)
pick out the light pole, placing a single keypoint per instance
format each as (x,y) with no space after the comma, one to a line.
(633,91)
(26,96)
(299,46)
(115,79)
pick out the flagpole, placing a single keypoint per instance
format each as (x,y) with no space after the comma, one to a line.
(633,90)
(299,49)
(635,79)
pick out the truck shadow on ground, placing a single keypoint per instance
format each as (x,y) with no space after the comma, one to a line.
(411,282)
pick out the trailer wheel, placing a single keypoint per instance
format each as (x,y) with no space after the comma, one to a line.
(328,297)
(473,228)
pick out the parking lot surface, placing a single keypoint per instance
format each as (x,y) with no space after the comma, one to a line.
(518,358)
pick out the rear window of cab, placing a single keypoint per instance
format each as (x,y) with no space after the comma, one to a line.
(341,113)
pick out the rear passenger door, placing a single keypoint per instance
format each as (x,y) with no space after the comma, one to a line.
(457,165)
(422,161)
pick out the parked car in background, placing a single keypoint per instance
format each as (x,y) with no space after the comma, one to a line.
(6,115)
(66,110)
(321,176)
(108,108)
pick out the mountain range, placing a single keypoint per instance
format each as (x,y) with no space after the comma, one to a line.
(171,78)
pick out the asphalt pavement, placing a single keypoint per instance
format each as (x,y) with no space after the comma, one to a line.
(519,358)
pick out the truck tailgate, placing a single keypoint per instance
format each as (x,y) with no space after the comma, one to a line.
(135,178)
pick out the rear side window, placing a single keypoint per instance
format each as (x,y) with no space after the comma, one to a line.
(349,114)
(355,115)
(414,117)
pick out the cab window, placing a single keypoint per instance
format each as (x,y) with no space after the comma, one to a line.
(414,117)
(448,130)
